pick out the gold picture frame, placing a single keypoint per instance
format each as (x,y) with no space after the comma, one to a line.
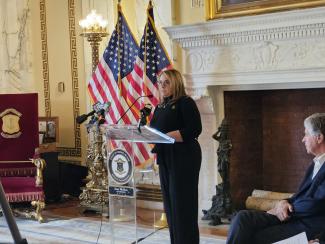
(216,9)
(48,128)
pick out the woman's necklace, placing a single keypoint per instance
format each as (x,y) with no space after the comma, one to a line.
(165,103)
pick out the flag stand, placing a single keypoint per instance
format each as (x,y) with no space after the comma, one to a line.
(162,222)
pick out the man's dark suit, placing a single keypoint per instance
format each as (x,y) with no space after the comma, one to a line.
(308,215)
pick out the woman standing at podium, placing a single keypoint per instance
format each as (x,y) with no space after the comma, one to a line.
(179,164)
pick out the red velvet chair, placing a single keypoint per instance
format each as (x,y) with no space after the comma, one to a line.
(20,167)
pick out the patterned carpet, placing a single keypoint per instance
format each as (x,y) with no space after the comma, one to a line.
(82,231)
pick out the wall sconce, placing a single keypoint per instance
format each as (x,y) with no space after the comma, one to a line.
(61,87)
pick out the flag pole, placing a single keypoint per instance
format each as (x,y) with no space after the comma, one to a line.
(145,51)
(162,222)
(158,37)
(119,81)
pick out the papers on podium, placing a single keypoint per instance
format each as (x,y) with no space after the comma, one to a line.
(131,133)
(297,239)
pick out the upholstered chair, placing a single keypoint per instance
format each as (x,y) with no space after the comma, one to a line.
(20,164)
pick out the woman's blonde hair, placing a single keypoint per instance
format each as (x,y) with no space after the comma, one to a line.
(176,83)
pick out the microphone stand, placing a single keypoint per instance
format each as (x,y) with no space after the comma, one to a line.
(142,122)
(145,112)
(149,96)
(10,218)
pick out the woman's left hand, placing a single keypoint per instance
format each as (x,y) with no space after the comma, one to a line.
(176,135)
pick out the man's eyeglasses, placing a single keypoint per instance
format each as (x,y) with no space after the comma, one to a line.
(164,83)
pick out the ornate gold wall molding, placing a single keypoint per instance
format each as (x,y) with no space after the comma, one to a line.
(45,63)
(64,151)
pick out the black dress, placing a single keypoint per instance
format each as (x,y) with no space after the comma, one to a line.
(179,167)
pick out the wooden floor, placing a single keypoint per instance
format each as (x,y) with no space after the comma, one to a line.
(69,208)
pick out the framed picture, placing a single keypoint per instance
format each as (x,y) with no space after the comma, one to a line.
(230,8)
(48,128)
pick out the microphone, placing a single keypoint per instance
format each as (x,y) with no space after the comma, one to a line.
(149,96)
(145,112)
(99,108)
(101,116)
(98,118)
(82,118)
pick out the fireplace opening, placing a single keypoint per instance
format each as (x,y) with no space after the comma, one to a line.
(266,129)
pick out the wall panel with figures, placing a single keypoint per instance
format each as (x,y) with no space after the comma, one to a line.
(16,64)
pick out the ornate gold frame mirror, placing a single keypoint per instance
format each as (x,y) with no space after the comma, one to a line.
(216,9)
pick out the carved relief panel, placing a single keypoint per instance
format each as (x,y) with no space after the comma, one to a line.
(258,56)
(16,73)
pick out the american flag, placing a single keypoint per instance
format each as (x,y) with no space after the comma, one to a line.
(110,75)
(119,77)
(151,60)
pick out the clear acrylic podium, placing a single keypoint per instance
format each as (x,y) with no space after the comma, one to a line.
(122,150)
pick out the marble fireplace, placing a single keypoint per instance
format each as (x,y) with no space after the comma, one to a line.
(262,73)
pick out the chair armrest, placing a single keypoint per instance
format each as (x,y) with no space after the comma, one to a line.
(40,165)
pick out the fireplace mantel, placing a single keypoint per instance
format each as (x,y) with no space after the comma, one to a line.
(285,47)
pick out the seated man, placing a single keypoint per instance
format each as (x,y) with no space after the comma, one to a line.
(304,211)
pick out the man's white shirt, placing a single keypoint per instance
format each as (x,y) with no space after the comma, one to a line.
(318,162)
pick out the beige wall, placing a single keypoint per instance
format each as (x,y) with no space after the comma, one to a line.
(185,13)
(58,57)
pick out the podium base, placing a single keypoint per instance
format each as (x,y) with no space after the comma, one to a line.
(122,217)
(162,222)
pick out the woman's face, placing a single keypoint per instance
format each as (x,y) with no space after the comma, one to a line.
(164,85)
